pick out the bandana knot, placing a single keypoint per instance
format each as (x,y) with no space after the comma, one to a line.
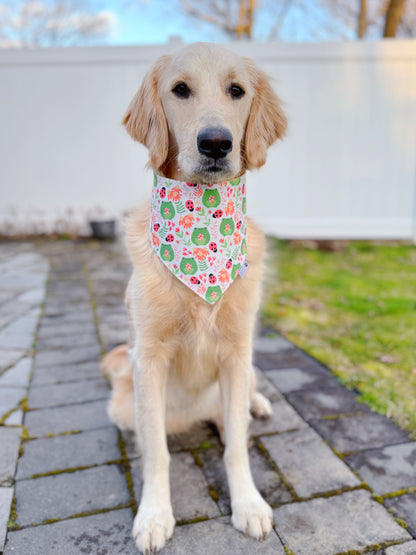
(200,232)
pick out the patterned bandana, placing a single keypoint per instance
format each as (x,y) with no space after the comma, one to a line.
(200,231)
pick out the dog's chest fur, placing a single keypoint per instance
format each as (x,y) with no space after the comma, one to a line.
(197,336)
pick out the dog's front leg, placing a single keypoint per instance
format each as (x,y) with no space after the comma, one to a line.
(154,522)
(250,512)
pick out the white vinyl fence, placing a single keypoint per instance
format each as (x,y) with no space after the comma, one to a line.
(346,170)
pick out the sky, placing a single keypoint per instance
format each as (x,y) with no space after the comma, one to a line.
(155,21)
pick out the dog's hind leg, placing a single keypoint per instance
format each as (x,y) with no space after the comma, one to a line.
(117,366)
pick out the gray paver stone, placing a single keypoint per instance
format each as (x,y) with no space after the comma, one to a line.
(215,537)
(189,488)
(9,357)
(15,418)
(214,472)
(386,470)
(404,507)
(6,497)
(408,548)
(48,375)
(294,379)
(308,463)
(359,432)
(20,333)
(351,521)
(10,398)
(86,339)
(41,456)
(107,533)
(267,480)
(59,328)
(199,434)
(265,386)
(58,420)
(329,402)
(271,344)
(18,375)
(10,443)
(284,418)
(69,356)
(64,495)
(69,393)
(288,358)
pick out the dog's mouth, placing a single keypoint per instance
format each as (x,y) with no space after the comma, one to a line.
(211,171)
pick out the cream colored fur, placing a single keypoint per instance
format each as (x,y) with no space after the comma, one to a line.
(190,361)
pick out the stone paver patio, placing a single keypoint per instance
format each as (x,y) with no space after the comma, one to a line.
(340,478)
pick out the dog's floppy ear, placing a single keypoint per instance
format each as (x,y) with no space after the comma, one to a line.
(266,121)
(145,119)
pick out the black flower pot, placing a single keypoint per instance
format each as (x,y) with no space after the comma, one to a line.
(103,229)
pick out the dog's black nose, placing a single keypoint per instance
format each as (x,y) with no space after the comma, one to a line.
(215,142)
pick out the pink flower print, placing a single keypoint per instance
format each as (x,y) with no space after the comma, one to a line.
(186,221)
(237,238)
(223,276)
(175,194)
(227,227)
(200,254)
(155,240)
(201,289)
(229,209)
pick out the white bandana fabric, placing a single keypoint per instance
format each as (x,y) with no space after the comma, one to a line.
(200,232)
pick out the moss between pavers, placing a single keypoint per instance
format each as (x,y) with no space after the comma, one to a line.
(79,515)
(197,458)
(194,520)
(127,472)
(371,548)
(273,465)
(73,469)
(11,524)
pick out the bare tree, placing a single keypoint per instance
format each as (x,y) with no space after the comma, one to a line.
(375,18)
(31,23)
(362,19)
(394,15)
(236,18)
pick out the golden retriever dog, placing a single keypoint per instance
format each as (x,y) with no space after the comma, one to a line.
(189,360)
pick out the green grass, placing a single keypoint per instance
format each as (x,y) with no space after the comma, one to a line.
(355,310)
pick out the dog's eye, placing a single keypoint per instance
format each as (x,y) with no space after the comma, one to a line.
(181,90)
(236,91)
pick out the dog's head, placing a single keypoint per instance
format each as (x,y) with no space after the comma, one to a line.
(205,115)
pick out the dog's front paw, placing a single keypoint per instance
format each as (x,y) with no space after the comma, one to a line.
(254,517)
(152,529)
